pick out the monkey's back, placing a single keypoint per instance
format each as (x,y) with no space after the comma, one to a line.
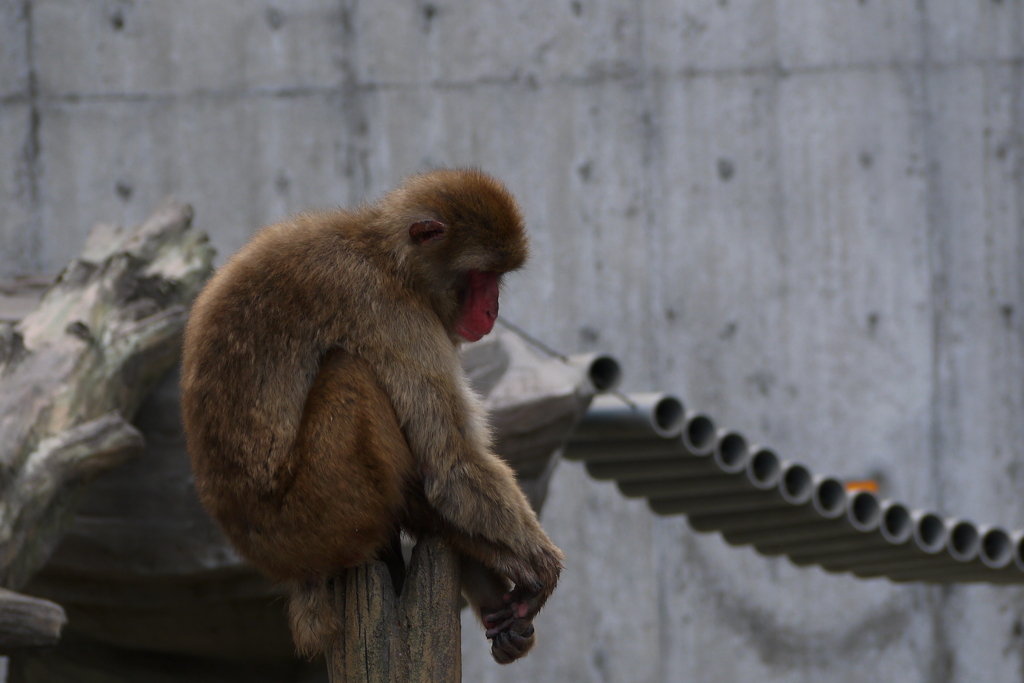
(295,448)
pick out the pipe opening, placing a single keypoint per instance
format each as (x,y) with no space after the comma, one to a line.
(797,485)
(896,525)
(865,511)
(732,450)
(996,548)
(605,373)
(830,497)
(1018,553)
(764,467)
(930,532)
(797,480)
(699,434)
(963,541)
(668,415)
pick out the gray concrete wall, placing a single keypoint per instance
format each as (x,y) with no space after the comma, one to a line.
(803,215)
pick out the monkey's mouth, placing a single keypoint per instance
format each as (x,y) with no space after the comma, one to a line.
(479,307)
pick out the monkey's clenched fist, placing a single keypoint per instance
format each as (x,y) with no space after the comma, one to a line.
(325,404)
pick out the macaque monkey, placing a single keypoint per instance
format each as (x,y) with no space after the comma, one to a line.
(325,405)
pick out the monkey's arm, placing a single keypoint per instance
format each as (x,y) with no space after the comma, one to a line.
(470,487)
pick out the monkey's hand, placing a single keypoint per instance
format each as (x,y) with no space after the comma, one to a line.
(511,637)
(525,602)
(534,578)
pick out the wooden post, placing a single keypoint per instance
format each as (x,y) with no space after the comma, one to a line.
(411,638)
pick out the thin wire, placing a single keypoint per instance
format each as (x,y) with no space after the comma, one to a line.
(625,398)
(533,340)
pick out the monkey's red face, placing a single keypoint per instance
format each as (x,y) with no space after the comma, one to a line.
(479,307)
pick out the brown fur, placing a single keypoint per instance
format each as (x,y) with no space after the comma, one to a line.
(325,405)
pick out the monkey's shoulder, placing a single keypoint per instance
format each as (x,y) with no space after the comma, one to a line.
(303,249)
(309,235)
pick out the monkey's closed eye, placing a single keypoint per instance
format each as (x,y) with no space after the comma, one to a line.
(427,231)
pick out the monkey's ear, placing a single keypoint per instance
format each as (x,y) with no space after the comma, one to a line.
(427,231)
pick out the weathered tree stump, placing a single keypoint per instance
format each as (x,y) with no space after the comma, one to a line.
(414,637)
(27,622)
(72,373)
(76,369)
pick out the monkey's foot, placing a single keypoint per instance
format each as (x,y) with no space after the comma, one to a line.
(514,642)
(510,633)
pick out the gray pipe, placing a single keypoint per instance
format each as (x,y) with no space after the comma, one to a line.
(964,542)
(760,473)
(928,538)
(623,450)
(967,558)
(717,454)
(1011,576)
(755,503)
(672,487)
(1012,573)
(809,498)
(863,515)
(730,502)
(632,416)
(731,454)
(699,435)
(603,371)
(696,432)
(678,465)
(978,554)
(931,538)
(996,551)
(996,544)
(894,529)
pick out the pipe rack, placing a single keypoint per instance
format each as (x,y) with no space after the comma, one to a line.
(677,459)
